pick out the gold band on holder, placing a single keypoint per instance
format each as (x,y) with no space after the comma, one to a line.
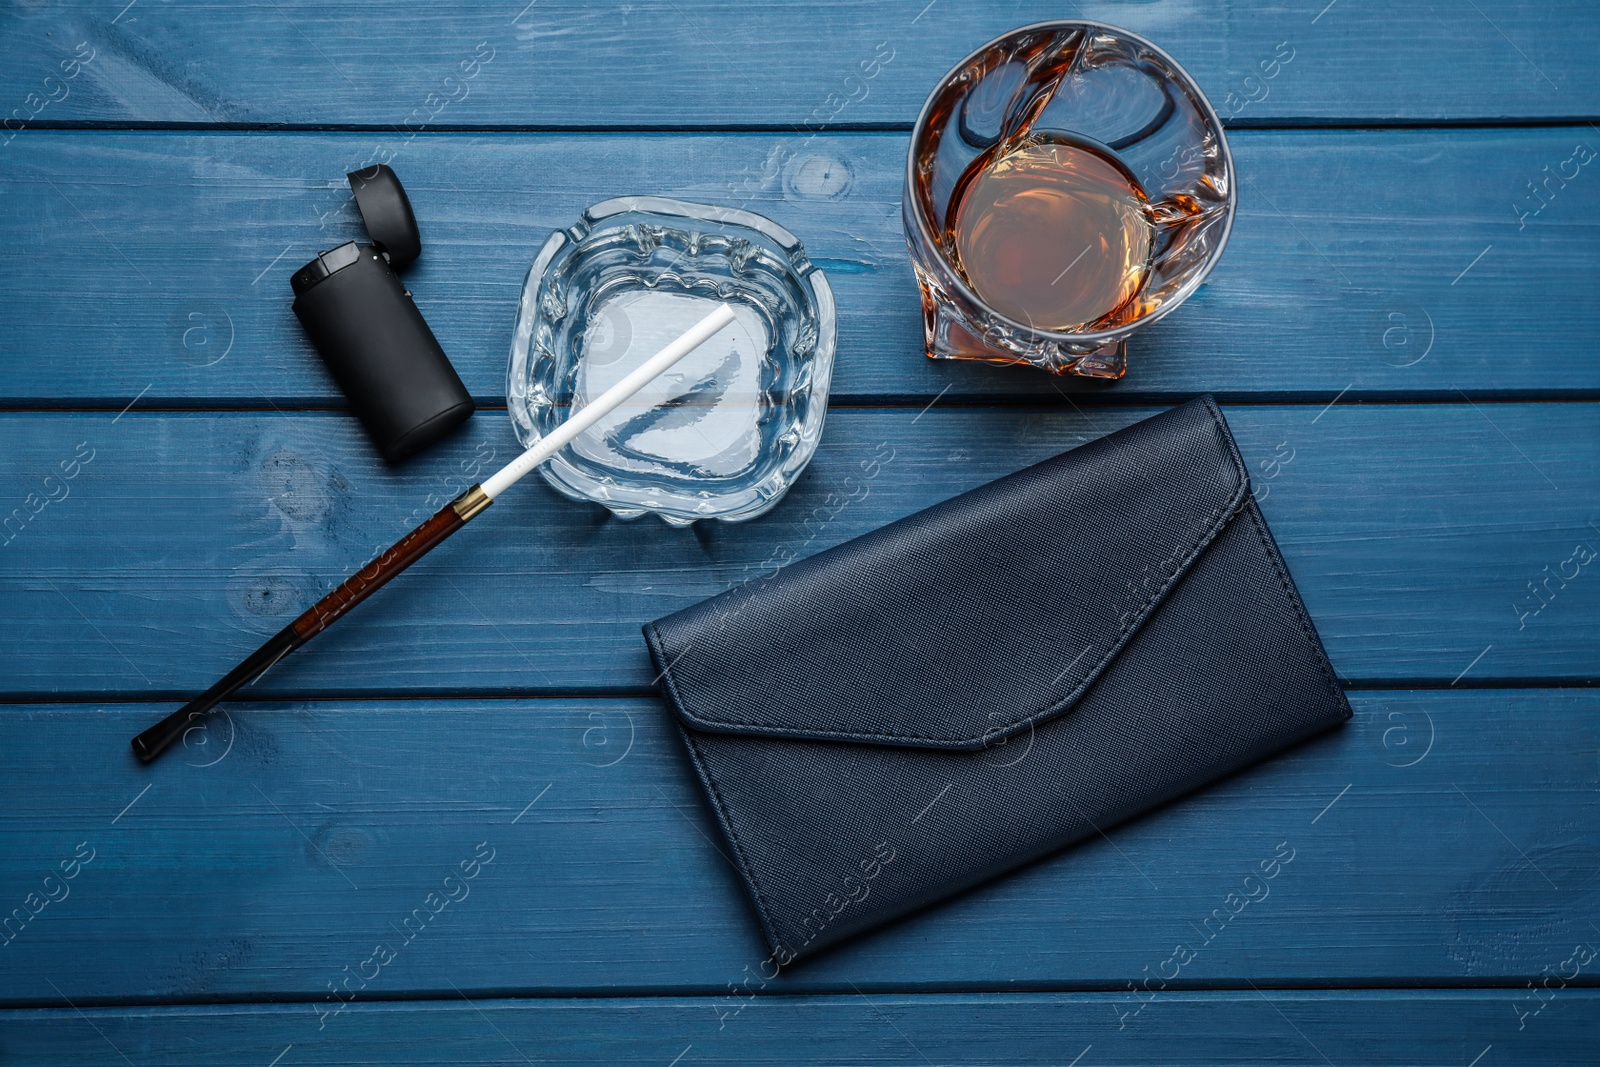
(471,502)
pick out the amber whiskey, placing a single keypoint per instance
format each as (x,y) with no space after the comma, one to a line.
(1055,234)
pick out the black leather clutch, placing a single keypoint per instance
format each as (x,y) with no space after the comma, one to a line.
(980,684)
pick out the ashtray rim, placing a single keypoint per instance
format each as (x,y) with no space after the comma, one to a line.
(710,219)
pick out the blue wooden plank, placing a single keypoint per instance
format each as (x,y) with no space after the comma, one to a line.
(566,62)
(1439,838)
(1444,838)
(1419,535)
(1380,1028)
(1391,264)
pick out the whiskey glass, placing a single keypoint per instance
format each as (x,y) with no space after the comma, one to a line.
(1083,83)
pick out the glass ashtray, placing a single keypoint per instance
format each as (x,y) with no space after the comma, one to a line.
(725,432)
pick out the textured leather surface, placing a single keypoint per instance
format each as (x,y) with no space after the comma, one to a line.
(978,685)
(1101,530)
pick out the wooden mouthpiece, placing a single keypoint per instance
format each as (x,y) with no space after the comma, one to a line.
(324,613)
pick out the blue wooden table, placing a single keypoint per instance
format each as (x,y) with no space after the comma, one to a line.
(1402,334)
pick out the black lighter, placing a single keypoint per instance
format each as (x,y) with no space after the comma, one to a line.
(369,332)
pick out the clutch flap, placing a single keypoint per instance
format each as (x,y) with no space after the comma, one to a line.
(962,624)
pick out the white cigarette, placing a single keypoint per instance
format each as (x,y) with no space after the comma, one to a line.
(593,412)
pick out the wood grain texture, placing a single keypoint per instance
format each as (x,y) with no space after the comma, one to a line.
(1413,532)
(1441,837)
(694,62)
(1389,263)
(1380,1028)
(1445,840)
